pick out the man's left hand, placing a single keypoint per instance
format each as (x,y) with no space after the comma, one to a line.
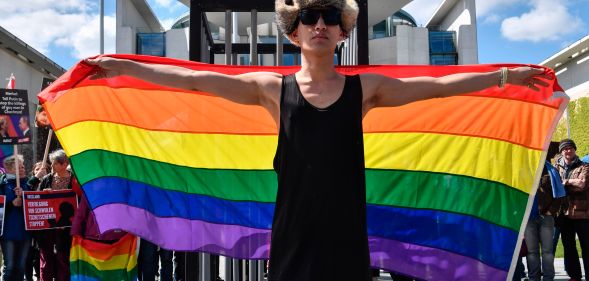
(528,76)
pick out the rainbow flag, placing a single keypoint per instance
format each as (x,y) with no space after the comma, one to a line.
(92,260)
(448,180)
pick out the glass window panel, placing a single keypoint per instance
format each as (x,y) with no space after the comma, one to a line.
(152,44)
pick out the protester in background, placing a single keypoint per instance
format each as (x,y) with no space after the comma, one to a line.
(41,119)
(575,177)
(179,265)
(40,169)
(54,244)
(15,241)
(150,257)
(3,127)
(540,228)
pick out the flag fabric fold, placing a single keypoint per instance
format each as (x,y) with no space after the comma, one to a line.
(558,190)
(448,180)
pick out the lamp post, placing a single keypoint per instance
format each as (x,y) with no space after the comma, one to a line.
(101,27)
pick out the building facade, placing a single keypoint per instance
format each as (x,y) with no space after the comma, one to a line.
(31,70)
(449,37)
(571,66)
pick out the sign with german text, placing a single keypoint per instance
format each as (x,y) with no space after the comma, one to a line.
(49,209)
(14,117)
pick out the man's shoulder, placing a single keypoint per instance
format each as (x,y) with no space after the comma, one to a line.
(266,81)
(264,76)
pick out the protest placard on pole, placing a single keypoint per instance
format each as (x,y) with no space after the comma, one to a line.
(14,117)
(49,209)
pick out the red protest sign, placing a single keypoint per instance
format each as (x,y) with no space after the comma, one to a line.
(49,209)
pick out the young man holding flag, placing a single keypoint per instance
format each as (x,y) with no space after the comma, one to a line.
(321,200)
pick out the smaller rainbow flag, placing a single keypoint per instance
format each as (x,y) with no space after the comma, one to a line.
(93,260)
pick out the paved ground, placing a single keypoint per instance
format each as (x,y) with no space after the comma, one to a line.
(558,267)
(561,275)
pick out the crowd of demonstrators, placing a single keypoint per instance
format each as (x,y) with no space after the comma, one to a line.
(45,254)
(560,208)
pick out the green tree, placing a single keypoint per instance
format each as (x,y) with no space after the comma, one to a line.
(578,111)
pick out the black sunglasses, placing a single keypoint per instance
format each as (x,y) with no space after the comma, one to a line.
(330,16)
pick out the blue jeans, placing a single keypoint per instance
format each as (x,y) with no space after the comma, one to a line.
(15,259)
(540,231)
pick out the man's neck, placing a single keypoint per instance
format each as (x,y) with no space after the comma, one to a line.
(569,162)
(317,68)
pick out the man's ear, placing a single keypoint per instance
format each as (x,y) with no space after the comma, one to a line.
(342,35)
(294,37)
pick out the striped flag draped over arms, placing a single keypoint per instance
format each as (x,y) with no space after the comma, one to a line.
(448,180)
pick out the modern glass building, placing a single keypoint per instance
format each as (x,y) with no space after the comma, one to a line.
(394,36)
(152,44)
(387,27)
(442,50)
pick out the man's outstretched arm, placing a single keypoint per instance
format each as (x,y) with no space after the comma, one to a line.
(385,91)
(250,88)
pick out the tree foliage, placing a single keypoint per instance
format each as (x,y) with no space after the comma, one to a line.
(578,112)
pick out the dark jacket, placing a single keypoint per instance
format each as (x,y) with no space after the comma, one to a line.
(547,204)
(576,182)
(14,219)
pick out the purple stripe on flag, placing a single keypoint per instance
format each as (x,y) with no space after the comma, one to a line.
(429,263)
(182,234)
(245,242)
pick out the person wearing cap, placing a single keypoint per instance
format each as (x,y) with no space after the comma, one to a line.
(320,214)
(575,222)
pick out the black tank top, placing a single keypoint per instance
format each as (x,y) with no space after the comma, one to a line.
(319,226)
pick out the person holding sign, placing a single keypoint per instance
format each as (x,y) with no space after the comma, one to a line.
(15,240)
(54,244)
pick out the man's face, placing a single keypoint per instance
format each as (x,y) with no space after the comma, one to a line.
(569,153)
(42,119)
(22,124)
(318,30)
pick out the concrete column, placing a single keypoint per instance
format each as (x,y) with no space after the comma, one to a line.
(228,36)
(254,38)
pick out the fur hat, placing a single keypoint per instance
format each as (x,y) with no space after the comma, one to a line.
(287,12)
